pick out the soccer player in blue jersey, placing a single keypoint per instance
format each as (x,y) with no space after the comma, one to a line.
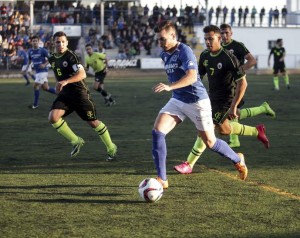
(189,99)
(227,86)
(39,58)
(22,55)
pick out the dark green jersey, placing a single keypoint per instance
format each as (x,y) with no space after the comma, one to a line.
(222,71)
(65,66)
(278,53)
(238,49)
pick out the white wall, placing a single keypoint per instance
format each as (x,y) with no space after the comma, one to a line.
(256,40)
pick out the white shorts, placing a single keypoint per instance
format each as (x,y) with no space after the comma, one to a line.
(24,68)
(199,112)
(41,78)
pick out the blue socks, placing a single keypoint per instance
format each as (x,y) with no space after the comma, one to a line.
(159,153)
(51,90)
(36,97)
(223,149)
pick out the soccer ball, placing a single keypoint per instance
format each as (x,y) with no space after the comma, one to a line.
(150,190)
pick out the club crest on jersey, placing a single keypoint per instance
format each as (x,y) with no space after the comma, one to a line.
(174,58)
(231,51)
(65,63)
(219,65)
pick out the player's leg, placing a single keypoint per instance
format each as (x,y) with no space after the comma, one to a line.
(45,85)
(104,135)
(276,79)
(164,123)
(99,86)
(239,129)
(61,126)
(286,78)
(264,108)
(24,74)
(36,94)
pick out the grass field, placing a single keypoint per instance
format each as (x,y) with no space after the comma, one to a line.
(45,193)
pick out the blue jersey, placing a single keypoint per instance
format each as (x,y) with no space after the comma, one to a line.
(176,64)
(23,54)
(38,57)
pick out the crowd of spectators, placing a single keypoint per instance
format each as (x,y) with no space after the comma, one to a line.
(130,31)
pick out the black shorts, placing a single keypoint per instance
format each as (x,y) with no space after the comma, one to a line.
(220,112)
(100,76)
(81,103)
(279,68)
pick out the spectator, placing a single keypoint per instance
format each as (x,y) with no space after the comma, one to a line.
(146,10)
(261,15)
(225,11)
(284,12)
(174,11)
(270,17)
(45,12)
(210,13)
(245,15)
(253,15)
(240,14)
(3,11)
(232,16)
(194,41)
(70,19)
(218,11)
(276,17)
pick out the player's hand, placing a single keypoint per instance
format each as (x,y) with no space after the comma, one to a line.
(59,85)
(161,87)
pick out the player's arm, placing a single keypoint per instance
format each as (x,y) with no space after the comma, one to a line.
(240,90)
(251,61)
(189,78)
(269,58)
(78,76)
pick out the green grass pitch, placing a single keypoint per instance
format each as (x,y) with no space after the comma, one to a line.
(45,193)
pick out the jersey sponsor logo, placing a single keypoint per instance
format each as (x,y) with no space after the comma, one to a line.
(53,65)
(219,65)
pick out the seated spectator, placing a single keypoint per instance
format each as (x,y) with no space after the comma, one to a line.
(70,19)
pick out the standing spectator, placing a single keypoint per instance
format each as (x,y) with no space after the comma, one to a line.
(278,52)
(240,14)
(218,11)
(276,17)
(245,15)
(225,11)
(284,12)
(232,16)
(96,13)
(45,12)
(261,15)
(146,10)
(210,13)
(253,15)
(174,11)
(270,17)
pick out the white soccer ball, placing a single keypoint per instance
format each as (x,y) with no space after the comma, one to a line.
(150,190)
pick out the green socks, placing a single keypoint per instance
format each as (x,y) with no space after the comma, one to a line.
(104,135)
(196,152)
(62,128)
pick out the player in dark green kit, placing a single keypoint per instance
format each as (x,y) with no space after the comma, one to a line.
(227,86)
(74,95)
(247,61)
(278,53)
